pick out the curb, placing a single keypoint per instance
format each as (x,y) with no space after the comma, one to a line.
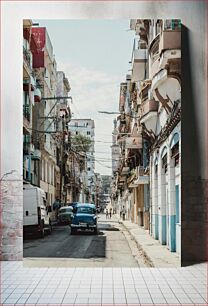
(144,254)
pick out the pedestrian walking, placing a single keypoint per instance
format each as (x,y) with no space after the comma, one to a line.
(106,213)
(124,213)
(56,206)
(110,212)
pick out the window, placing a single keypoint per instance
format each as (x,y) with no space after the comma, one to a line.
(48,178)
(175,154)
(45,177)
(86,210)
(88,169)
(164,163)
(156,169)
(88,132)
(76,123)
(77,133)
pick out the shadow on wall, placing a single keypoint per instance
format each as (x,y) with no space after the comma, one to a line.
(193,206)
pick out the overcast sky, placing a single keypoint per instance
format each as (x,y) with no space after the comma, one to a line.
(95,55)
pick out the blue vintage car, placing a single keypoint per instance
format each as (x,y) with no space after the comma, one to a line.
(84,218)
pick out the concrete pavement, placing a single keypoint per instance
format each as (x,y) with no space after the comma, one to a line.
(157,255)
(110,248)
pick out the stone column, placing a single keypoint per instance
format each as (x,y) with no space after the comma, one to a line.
(11,217)
(140,194)
(154,191)
(161,203)
(171,203)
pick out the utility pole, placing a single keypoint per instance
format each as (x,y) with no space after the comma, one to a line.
(62,156)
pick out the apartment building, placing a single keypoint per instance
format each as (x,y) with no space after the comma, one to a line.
(86,127)
(148,178)
(62,137)
(31,95)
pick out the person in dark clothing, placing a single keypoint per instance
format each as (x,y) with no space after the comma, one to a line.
(106,213)
(110,212)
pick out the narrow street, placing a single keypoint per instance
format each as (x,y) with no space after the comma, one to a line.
(111,247)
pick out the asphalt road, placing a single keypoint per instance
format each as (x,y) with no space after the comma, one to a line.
(108,248)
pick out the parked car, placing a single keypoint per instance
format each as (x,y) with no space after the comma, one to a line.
(65,215)
(84,218)
(36,214)
(73,204)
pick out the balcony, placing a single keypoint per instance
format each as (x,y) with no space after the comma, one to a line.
(140,26)
(155,67)
(125,170)
(170,40)
(27,61)
(26,112)
(37,95)
(149,114)
(36,155)
(140,57)
(32,83)
(26,119)
(142,177)
(133,142)
(144,89)
(159,78)
(28,149)
(154,55)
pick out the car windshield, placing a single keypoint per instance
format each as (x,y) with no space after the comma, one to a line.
(85,210)
(64,210)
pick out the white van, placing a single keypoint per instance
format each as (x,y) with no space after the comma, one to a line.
(36,216)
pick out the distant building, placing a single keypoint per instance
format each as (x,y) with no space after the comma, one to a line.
(86,127)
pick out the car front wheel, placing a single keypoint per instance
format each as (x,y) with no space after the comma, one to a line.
(73,231)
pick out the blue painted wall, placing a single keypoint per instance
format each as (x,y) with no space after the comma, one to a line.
(172,236)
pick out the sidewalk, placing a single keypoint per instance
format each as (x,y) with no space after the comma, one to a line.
(157,255)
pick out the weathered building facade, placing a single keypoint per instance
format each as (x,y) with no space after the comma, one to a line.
(148,178)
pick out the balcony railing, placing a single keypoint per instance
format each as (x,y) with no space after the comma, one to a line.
(142,177)
(27,57)
(26,112)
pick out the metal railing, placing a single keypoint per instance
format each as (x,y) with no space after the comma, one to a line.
(26,56)
(26,112)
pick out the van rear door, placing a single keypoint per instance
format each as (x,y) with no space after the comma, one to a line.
(30,213)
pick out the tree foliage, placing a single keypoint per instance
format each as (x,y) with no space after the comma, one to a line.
(81,143)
